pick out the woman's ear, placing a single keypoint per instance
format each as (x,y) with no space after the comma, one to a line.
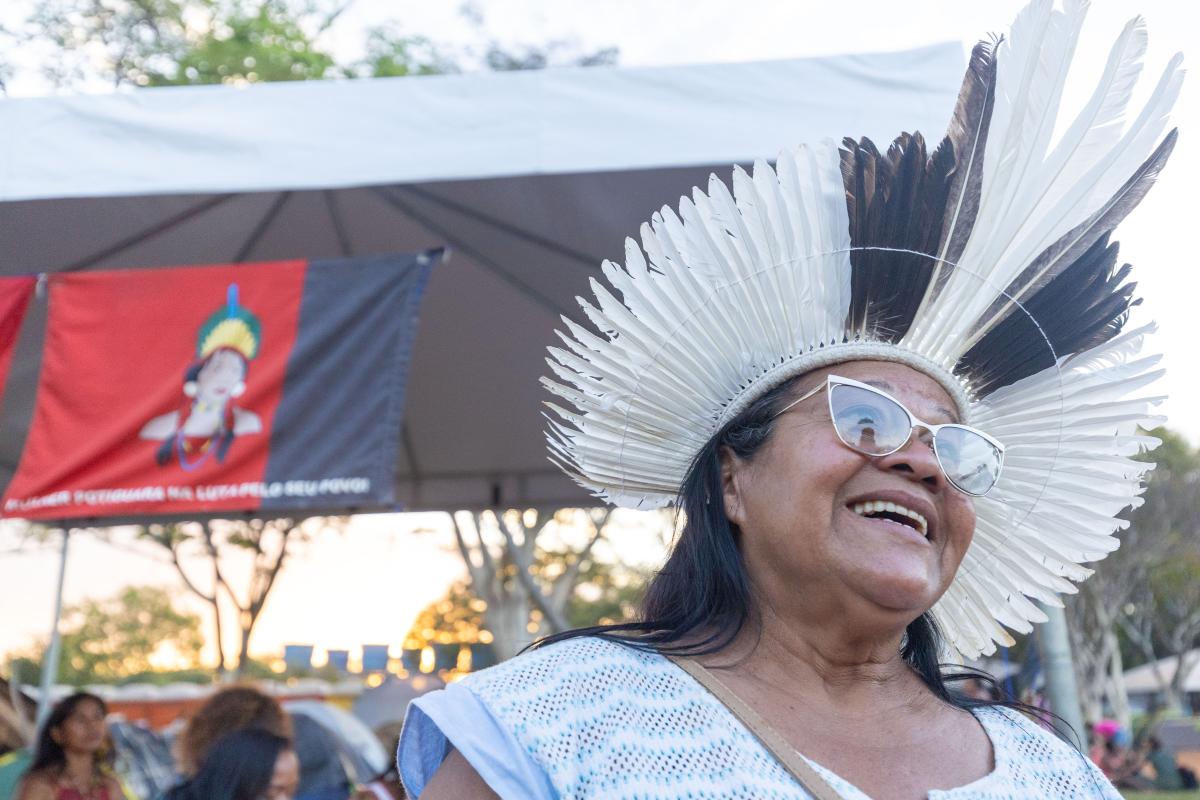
(732,468)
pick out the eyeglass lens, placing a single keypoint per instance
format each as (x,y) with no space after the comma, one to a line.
(875,425)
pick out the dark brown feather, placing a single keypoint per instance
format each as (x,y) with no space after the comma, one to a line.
(896,203)
(1075,243)
(1084,306)
(903,200)
(966,140)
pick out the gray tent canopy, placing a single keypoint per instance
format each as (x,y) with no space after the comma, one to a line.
(531,180)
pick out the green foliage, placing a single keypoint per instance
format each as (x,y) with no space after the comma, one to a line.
(1164,542)
(457,617)
(390,55)
(248,44)
(191,42)
(254,670)
(120,41)
(1173,454)
(556,53)
(115,640)
(606,594)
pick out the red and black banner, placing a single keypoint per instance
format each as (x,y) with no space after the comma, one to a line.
(252,387)
(15,294)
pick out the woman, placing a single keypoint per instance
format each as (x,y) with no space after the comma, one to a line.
(891,394)
(71,759)
(249,764)
(230,709)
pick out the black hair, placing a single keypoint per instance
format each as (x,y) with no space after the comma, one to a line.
(47,753)
(238,767)
(701,599)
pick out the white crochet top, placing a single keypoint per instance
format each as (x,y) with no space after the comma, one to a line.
(588,718)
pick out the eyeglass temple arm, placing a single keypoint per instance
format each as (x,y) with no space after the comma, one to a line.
(810,393)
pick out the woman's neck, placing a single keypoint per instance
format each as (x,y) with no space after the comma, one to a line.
(828,665)
(80,768)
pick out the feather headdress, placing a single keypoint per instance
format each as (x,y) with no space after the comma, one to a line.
(986,264)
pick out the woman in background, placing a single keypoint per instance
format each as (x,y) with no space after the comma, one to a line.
(249,764)
(71,760)
(231,709)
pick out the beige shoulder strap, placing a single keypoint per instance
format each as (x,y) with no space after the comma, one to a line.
(786,755)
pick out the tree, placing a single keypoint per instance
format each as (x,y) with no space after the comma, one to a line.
(187,42)
(267,543)
(1163,620)
(604,592)
(392,55)
(539,574)
(455,619)
(170,42)
(117,638)
(607,593)
(1146,590)
(555,53)
(515,577)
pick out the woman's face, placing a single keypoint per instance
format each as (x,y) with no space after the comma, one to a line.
(286,777)
(84,730)
(794,500)
(222,377)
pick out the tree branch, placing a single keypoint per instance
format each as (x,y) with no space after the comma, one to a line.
(260,597)
(524,566)
(215,555)
(479,581)
(188,581)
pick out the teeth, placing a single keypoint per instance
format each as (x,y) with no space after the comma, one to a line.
(879,506)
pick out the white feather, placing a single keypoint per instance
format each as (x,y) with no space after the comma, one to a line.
(1033,195)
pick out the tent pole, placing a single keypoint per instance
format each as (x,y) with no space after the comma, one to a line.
(1061,690)
(53,652)
(148,233)
(339,226)
(261,228)
(579,257)
(478,256)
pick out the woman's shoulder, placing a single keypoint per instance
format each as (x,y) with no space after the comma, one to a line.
(1031,755)
(518,723)
(1012,728)
(599,718)
(38,785)
(581,661)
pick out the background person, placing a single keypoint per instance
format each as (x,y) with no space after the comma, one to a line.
(230,709)
(71,759)
(1166,767)
(249,764)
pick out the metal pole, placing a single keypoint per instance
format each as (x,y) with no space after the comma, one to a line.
(50,663)
(1061,690)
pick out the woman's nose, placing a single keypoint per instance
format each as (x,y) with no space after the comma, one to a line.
(916,460)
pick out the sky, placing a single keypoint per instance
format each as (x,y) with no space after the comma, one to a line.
(365,585)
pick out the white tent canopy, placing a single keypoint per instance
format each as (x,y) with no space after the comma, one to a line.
(530,178)
(1145,679)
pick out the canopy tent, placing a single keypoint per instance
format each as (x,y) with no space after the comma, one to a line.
(1145,678)
(530,178)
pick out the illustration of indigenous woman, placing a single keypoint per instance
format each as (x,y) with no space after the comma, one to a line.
(209,420)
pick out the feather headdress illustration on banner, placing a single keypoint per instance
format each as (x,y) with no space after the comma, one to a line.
(985,262)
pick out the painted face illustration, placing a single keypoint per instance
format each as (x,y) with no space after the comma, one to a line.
(209,420)
(222,377)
